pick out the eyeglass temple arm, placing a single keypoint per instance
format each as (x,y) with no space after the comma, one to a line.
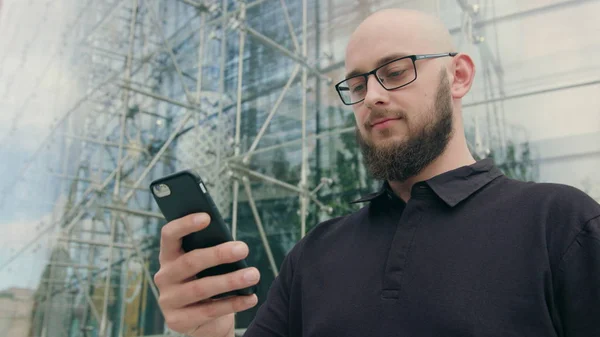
(431,56)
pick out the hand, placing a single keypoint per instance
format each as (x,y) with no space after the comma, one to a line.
(186,301)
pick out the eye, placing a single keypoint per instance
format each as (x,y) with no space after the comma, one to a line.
(358,88)
(396,73)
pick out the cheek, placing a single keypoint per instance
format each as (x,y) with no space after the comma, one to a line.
(360,115)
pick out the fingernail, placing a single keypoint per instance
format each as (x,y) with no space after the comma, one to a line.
(250,300)
(239,250)
(251,275)
(200,219)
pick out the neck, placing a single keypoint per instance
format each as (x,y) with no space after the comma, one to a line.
(454,156)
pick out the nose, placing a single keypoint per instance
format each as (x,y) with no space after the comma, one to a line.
(376,93)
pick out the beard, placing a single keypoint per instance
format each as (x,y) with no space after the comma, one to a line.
(401,160)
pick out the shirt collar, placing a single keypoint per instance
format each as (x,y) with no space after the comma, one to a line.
(453,186)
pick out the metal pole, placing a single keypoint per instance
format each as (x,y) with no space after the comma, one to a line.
(260,37)
(113,228)
(180,126)
(94,182)
(88,298)
(134,211)
(140,255)
(96,243)
(298,141)
(200,58)
(124,288)
(304,165)
(259,225)
(158,97)
(238,118)
(268,179)
(223,55)
(48,301)
(106,143)
(107,283)
(193,4)
(265,125)
(234,210)
(87,192)
(532,93)
(169,49)
(238,121)
(289,23)
(225,16)
(73,265)
(525,13)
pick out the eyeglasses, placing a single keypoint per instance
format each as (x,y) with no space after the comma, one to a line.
(391,75)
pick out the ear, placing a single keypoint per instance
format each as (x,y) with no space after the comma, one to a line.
(463,74)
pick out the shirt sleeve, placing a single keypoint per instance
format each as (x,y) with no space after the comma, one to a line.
(578,284)
(272,318)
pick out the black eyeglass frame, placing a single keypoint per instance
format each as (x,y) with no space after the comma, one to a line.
(373,72)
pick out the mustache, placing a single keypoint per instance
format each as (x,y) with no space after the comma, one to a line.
(381,114)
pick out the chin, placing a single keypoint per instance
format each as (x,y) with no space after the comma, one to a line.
(388,142)
(387,136)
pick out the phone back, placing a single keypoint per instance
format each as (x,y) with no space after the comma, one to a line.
(187,194)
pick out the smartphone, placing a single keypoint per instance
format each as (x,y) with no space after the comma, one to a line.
(184,193)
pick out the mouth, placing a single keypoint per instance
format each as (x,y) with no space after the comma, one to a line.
(384,122)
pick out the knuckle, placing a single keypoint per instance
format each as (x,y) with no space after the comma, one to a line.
(189,261)
(162,302)
(238,305)
(222,253)
(158,278)
(210,311)
(166,232)
(199,290)
(234,281)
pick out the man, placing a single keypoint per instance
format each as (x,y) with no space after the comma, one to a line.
(448,247)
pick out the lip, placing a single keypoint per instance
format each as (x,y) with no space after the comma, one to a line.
(382,122)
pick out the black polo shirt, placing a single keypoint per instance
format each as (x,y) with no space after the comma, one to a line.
(472,253)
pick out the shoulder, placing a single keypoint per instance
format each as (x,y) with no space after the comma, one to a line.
(563,213)
(555,201)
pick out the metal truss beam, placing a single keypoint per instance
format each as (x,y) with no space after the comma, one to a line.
(96,243)
(532,93)
(276,46)
(524,14)
(137,212)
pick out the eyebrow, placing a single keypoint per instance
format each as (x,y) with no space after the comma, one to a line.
(380,62)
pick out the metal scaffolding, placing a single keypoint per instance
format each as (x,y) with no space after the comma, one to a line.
(205,85)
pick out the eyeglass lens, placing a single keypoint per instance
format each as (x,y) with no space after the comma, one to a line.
(392,75)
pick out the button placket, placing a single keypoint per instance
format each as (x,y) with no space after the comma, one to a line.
(400,249)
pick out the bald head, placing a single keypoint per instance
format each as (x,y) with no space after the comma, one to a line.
(392,32)
(409,28)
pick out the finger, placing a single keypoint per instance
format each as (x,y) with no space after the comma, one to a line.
(191,263)
(189,318)
(207,287)
(172,233)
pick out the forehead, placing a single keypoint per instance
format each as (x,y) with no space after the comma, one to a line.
(378,40)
